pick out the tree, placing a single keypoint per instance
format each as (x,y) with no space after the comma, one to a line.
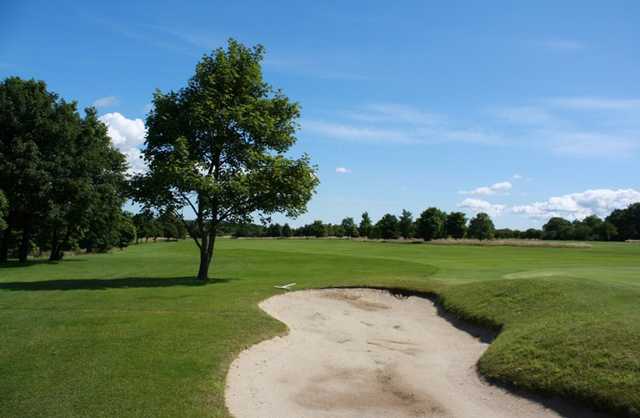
(626,221)
(126,230)
(54,166)
(365,225)
(557,229)
(387,227)
(481,227)
(349,228)
(274,230)
(456,225)
(431,224)
(405,224)
(286,231)
(218,146)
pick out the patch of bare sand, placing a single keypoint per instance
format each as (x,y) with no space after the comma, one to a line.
(360,353)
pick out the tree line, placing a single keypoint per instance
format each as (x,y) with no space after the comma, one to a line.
(620,225)
(431,224)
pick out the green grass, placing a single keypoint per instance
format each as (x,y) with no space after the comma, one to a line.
(131,334)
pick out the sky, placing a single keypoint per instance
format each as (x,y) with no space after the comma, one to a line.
(521,111)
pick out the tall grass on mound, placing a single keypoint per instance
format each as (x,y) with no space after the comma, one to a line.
(575,338)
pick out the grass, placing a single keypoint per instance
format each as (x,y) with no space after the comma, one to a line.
(131,334)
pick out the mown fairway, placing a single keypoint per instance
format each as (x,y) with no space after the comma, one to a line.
(131,334)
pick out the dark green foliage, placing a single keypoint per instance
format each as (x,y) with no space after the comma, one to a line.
(405,224)
(274,230)
(219,146)
(456,225)
(431,224)
(286,231)
(481,227)
(387,227)
(365,225)
(62,177)
(626,221)
(349,228)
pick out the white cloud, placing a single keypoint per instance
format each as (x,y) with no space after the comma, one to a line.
(592,144)
(594,103)
(516,177)
(356,133)
(127,135)
(343,170)
(496,188)
(563,45)
(525,115)
(478,205)
(580,205)
(107,101)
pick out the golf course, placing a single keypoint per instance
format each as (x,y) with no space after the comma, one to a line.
(132,333)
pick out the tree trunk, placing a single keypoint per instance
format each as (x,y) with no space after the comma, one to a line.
(24,245)
(55,247)
(206,255)
(4,245)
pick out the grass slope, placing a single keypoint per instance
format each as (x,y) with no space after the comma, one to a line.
(131,334)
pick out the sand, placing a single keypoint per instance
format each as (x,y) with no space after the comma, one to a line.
(359,353)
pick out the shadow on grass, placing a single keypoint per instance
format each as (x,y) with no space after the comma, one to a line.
(104,284)
(16,264)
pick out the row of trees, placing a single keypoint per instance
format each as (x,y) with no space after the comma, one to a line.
(621,224)
(431,224)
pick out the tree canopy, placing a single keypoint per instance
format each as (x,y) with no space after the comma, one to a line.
(431,224)
(481,227)
(217,146)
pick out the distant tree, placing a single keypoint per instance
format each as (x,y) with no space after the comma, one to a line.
(626,221)
(557,228)
(286,231)
(456,225)
(274,230)
(532,233)
(126,230)
(349,227)
(431,224)
(317,229)
(405,224)
(606,231)
(388,227)
(481,227)
(219,147)
(365,225)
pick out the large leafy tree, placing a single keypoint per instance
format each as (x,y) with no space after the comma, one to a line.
(431,224)
(481,227)
(626,221)
(456,225)
(217,146)
(349,227)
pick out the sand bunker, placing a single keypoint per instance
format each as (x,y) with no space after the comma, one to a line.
(361,353)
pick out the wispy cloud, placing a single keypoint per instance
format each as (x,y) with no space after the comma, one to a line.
(343,170)
(595,103)
(502,187)
(314,68)
(477,205)
(107,101)
(562,45)
(397,123)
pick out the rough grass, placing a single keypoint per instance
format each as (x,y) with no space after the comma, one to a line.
(131,334)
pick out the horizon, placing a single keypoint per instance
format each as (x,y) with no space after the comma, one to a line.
(510,110)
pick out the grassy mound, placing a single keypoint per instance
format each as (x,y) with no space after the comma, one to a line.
(576,338)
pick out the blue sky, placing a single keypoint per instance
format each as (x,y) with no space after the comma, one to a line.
(524,111)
